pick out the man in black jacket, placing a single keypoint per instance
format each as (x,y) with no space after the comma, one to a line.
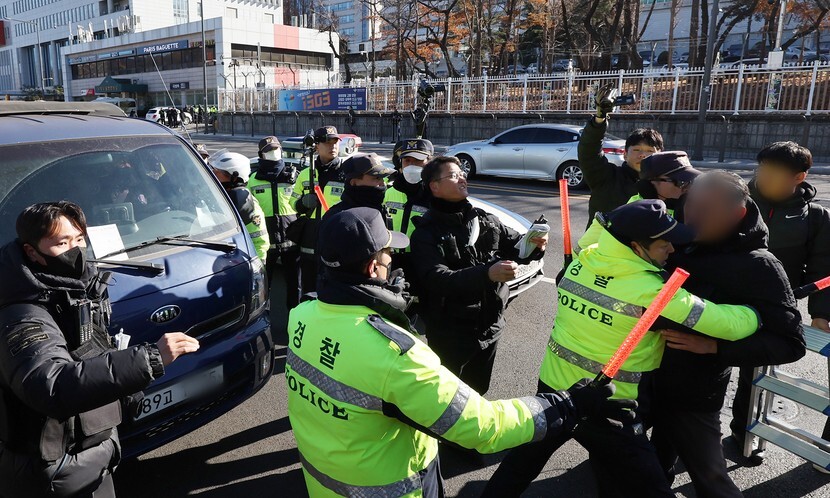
(612,185)
(799,236)
(61,380)
(462,257)
(365,186)
(728,263)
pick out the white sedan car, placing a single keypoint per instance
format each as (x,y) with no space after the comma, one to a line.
(538,151)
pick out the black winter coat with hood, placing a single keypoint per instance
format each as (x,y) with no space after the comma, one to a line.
(799,236)
(740,270)
(59,415)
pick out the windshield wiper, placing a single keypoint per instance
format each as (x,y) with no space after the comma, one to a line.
(178,240)
(156,268)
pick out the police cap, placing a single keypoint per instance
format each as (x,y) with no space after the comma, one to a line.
(365,164)
(352,236)
(645,220)
(268,144)
(673,164)
(326,133)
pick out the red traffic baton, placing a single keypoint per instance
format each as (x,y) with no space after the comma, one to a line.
(806,290)
(320,197)
(566,221)
(642,326)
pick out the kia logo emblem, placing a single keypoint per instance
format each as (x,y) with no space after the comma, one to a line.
(165,314)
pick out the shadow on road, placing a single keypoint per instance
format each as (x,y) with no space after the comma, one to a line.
(173,475)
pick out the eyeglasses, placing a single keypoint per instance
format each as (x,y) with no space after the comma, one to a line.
(454,176)
(677,183)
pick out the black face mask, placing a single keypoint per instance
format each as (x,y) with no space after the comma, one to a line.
(365,196)
(70,264)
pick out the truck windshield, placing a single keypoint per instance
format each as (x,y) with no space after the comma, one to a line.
(147,187)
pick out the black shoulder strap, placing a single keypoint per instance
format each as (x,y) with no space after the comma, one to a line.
(404,341)
(407,213)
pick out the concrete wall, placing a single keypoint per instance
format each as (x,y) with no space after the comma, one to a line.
(735,137)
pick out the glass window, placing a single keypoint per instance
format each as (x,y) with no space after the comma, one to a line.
(522,136)
(175,60)
(148,187)
(552,136)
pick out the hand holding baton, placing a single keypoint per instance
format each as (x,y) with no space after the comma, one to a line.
(566,221)
(320,197)
(642,326)
(806,290)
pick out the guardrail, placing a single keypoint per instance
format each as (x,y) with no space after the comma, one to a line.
(762,424)
(793,88)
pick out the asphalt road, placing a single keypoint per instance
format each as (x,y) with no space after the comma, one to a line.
(251,452)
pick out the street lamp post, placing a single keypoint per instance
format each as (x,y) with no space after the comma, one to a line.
(39,52)
(204,67)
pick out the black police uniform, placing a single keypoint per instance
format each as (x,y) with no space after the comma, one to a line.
(61,383)
(462,308)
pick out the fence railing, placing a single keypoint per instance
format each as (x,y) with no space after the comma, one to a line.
(802,89)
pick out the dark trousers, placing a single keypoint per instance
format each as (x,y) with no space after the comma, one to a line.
(462,354)
(623,460)
(308,273)
(741,403)
(695,438)
(284,285)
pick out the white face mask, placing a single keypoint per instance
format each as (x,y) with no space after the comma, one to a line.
(272,155)
(412,174)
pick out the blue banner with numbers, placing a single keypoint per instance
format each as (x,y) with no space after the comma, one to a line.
(336,99)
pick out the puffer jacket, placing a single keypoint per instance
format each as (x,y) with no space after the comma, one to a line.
(451,271)
(739,270)
(58,414)
(799,236)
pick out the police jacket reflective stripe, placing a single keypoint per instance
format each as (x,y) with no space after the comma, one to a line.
(253,218)
(405,202)
(601,297)
(331,180)
(273,188)
(366,397)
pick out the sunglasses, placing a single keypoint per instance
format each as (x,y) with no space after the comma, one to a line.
(677,183)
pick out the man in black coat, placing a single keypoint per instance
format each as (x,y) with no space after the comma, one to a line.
(463,257)
(799,236)
(61,379)
(365,186)
(612,185)
(728,263)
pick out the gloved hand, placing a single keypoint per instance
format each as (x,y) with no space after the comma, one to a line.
(310,201)
(592,401)
(604,100)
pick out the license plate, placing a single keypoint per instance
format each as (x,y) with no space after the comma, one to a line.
(190,387)
(524,270)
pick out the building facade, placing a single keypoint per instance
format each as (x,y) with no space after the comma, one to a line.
(153,51)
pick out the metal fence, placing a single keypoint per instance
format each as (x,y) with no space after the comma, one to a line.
(798,89)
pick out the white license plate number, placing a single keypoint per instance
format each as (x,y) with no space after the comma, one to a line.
(190,387)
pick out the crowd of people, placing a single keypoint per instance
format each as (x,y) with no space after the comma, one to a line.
(389,288)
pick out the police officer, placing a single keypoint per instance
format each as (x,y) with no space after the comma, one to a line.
(367,399)
(462,258)
(60,377)
(408,198)
(233,171)
(663,175)
(273,188)
(325,172)
(365,177)
(601,297)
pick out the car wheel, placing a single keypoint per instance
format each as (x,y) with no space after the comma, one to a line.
(186,121)
(572,172)
(467,164)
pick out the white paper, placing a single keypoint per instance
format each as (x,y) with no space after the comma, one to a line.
(525,246)
(105,239)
